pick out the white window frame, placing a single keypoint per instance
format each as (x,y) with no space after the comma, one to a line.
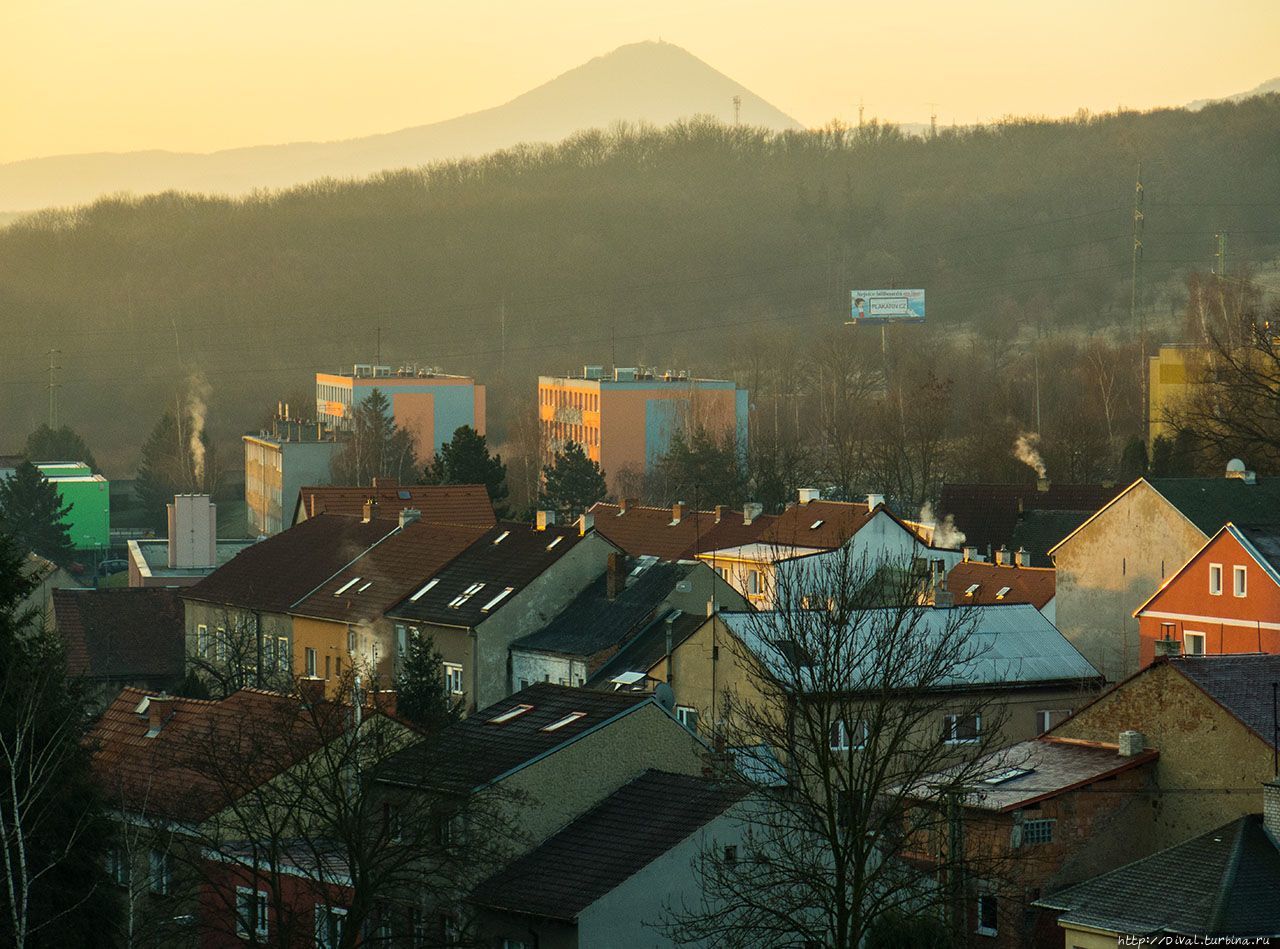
(452,677)
(324,914)
(257,902)
(311,662)
(1190,635)
(220,649)
(753,582)
(842,739)
(160,872)
(284,654)
(1239,581)
(202,640)
(117,866)
(952,725)
(1044,718)
(1215,579)
(988,930)
(687,716)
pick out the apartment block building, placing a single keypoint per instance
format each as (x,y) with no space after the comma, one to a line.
(625,419)
(430,404)
(277,465)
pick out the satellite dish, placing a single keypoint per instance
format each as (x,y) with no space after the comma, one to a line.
(665,696)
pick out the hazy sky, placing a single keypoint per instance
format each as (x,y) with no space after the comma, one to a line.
(113,75)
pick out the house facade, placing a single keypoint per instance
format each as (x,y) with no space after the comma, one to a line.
(1225,599)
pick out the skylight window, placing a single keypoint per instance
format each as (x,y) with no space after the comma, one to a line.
(1008,774)
(501,537)
(509,714)
(403,495)
(973,588)
(497,599)
(567,720)
(465,595)
(364,586)
(427,586)
(554,542)
(1000,594)
(346,586)
(816,524)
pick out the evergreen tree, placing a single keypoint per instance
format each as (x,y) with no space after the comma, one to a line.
(168,468)
(377,447)
(421,692)
(52,831)
(32,513)
(699,466)
(571,483)
(465,459)
(62,444)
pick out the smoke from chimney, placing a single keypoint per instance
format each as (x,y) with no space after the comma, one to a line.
(1026,450)
(945,533)
(198,391)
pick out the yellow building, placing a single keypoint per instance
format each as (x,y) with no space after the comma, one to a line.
(1172,374)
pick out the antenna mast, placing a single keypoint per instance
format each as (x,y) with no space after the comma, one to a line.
(737,109)
(1138,220)
(53,388)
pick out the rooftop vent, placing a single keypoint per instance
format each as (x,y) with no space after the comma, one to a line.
(1132,743)
(624,374)
(874,501)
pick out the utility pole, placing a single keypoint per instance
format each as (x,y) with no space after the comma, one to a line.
(53,388)
(737,109)
(1145,370)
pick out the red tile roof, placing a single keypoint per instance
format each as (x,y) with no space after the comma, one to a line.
(132,634)
(654,532)
(1034,585)
(443,503)
(275,573)
(206,754)
(822,524)
(393,569)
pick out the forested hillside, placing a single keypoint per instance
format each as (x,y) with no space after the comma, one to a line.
(659,247)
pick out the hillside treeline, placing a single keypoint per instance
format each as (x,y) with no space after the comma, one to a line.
(667,247)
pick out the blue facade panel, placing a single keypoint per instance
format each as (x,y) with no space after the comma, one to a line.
(662,419)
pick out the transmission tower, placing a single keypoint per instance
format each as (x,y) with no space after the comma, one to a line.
(1138,220)
(53,388)
(737,109)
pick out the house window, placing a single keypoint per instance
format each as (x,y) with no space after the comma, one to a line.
(283,662)
(161,873)
(252,914)
(351,641)
(453,678)
(1215,579)
(311,662)
(841,738)
(1037,832)
(1239,581)
(961,729)
(117,867)
(524,684)
(1193,644)
(687,715)
(514,944)
(1047,718)
(202,641)
(987,914)
(402,640)
(220,644)
(330,921)
(731,855)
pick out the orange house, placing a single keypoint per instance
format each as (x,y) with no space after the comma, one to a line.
(1225,599)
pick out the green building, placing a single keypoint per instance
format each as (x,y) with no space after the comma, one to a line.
(90,498)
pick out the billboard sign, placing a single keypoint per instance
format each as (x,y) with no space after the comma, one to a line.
(887,306)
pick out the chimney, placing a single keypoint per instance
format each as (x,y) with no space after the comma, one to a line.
(193,531)
(408,516)
(625,504)
(1271,808)
(1167,647)
(970,554)
(1002,556)
(943,598)
(369,506)
(159,710)
(874,501)
(586,522)
(1132,743)
(677,512)
(383,484)
(311,691)
(1042,485)
(1021,558)
(750,511)
(546,519)
(721,509)
(809,494)
(615,581)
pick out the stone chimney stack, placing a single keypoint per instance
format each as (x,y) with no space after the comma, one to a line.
(1021,558)
(721,509)
(1167,647)
(750,511)
(370,506)
(970,554)
(586,523)
(159,710)
(1132,743)
(677,512)
(625,504)
(1002,556)
(408,516)
(546,519)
